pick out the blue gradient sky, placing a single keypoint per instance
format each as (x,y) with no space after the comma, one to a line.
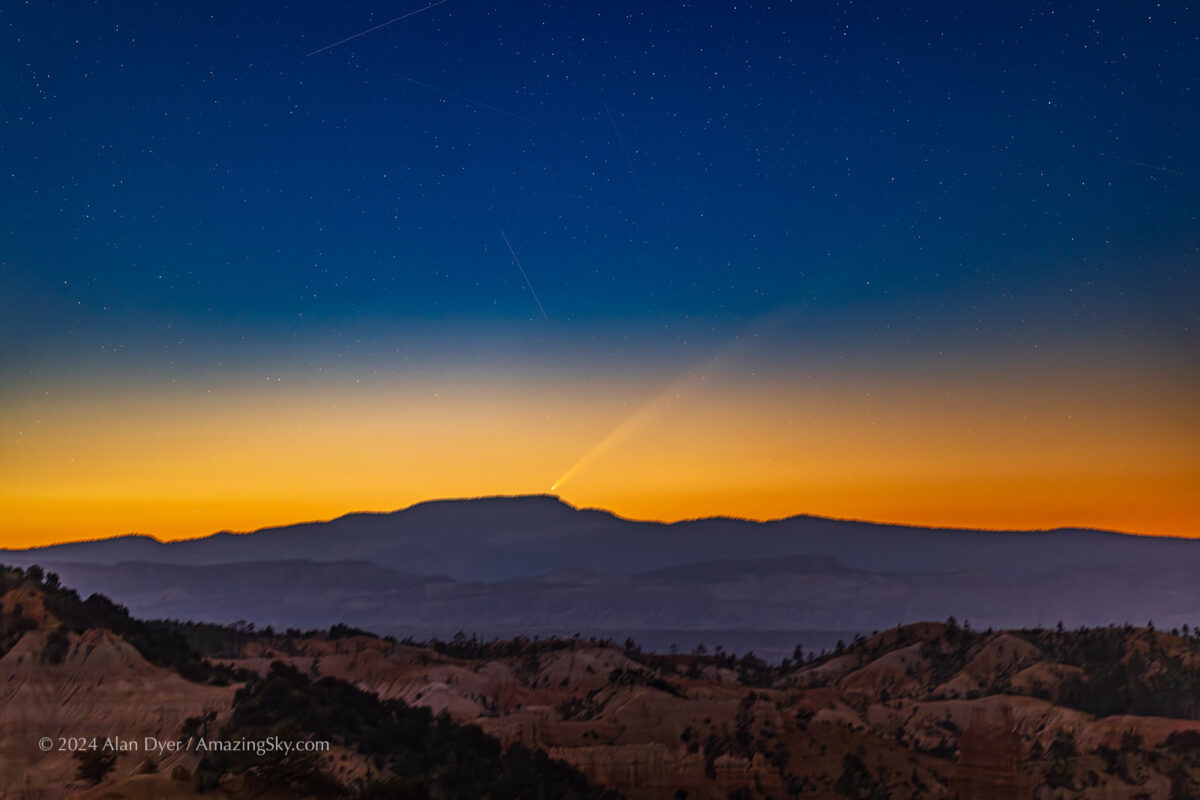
(189,197)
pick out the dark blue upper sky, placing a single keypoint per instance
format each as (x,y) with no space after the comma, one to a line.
(1002,174)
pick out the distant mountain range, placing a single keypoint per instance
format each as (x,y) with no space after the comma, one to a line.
(500,566)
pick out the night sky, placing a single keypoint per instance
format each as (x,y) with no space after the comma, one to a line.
(931,264)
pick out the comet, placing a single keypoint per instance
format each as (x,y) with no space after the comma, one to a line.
(694,380)
(631,424)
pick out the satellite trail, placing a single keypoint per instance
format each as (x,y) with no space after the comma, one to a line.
(621,142)
(377,27)
(523,275)
(1147,166)
(466,99)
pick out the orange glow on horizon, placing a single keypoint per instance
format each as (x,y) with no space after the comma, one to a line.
(1035,448)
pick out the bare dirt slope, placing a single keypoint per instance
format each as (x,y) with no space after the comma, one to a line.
(96,686)
(928,710)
